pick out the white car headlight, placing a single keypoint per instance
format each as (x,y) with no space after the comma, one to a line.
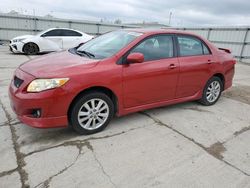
(19,40)
(38,85)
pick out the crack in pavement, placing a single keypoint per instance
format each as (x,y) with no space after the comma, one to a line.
(82,142)
(16,123)
(78,143)
(8,172)
(195,108)
(101,167)
(207,150)
(4,124)
(244,129)
(87,144)
(237,133)
(19,155)
(46,183)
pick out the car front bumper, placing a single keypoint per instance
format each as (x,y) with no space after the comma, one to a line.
(52,105)
(16,47)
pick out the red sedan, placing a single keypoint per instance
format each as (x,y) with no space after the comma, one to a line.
(119,73)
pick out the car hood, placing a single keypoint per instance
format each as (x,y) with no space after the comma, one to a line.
(59,64)
(23,37)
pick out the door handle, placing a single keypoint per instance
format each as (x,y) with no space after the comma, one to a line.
(210,61)
(172,66)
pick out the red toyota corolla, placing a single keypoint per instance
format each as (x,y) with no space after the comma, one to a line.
(119,73)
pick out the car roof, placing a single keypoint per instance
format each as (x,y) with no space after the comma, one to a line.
(62,28)
(160,31)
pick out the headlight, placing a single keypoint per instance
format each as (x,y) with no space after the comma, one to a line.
(18,40)
(44,84)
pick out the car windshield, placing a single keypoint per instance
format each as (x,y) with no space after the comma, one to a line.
(41,32)
(108,44)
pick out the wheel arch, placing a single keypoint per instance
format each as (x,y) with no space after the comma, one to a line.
(101,89)
(32,43)
(222,78)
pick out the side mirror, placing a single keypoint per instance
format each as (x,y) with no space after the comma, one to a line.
(135,58)
(80,45)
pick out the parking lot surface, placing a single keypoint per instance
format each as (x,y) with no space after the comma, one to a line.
(183,145)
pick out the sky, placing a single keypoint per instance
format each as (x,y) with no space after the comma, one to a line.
(184,12)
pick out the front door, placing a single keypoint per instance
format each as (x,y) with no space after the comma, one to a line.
(52,40)
(155,79)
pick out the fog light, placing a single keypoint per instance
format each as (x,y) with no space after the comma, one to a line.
(36,113)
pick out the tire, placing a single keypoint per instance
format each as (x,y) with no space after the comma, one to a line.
(30,49)
(212,91)
(85,119)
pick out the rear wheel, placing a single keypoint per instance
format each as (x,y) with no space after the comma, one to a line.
(30,48)
(212,91)
(91,113)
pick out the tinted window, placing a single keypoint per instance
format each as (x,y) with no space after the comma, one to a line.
(70,33)
(55,32)
(190,46)
(157,47)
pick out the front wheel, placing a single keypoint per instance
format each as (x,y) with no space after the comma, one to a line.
(30,49)
(212,91)
(91,113)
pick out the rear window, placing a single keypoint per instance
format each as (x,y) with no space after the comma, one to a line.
(70,33)
(191,46)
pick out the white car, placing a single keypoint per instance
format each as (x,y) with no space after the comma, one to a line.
(54,39)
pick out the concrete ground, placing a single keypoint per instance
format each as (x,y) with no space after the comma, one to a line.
(184,145)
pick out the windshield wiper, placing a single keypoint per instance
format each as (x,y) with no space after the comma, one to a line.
(86,53)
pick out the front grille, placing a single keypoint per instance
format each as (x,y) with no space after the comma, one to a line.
(17,82)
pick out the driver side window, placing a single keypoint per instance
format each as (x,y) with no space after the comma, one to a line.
(53,33)
(156,47)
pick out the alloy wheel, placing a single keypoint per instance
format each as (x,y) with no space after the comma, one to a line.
(213,91)
(93,114)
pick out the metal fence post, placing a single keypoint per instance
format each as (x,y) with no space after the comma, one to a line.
(208,33)
(244,43)
(98,28)
(35,25)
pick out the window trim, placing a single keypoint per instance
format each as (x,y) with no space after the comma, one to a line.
(194,37)
(122,60)
(63,30)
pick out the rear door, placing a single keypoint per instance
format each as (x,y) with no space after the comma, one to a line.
(155,79)
(70,38)
(196,64)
